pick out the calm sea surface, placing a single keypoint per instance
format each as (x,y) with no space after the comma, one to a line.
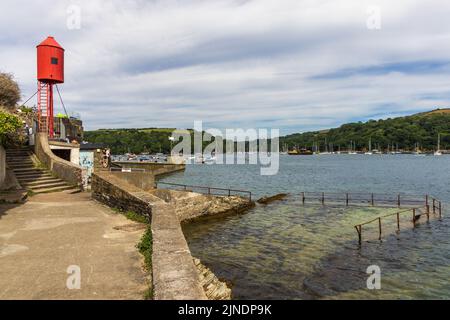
(289,251)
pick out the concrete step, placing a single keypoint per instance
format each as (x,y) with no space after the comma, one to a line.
(56,189)
(35,178)
(21,166)
(26,170)
(17,151)
(18,160)
(45,180)
(48,185)
(17,155)
(32,174)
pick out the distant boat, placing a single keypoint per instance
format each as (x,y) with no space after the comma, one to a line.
(438,151)
(417,151)
(370,148)
(301,152)
(352,148)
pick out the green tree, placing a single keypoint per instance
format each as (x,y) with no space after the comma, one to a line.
(9,91)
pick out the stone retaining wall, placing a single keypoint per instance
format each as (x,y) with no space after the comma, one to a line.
(2,166)
(116,192)
(65,170)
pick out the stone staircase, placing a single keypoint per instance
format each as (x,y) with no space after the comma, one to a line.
(31,177)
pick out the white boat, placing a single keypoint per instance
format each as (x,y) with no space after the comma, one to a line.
(370,148)
(438,151)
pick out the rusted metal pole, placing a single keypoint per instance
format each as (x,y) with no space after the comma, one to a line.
(440,210)
(379,226)
(398,221)
(359,230)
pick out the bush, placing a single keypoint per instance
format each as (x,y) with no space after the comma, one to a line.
(9,91)
(10,128)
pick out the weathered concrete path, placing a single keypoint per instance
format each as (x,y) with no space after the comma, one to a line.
(40,239)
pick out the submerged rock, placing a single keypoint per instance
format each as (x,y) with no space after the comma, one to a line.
(267,200)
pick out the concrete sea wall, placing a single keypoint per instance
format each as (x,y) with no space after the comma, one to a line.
(157,169)
(175,276)
(65,170)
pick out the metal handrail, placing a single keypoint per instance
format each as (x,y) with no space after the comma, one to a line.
(437,206)
(210,189)
(369,198)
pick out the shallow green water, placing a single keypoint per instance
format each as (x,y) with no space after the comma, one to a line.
(289,251)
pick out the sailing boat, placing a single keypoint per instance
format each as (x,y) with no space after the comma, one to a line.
(417,150)
(370,147)
(352,149)
(438,151)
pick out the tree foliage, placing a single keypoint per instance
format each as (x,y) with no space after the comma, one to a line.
(10,127)
(404,132)
(9,91)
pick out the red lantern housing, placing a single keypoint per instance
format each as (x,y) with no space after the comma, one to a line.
(50,61)
(50,71)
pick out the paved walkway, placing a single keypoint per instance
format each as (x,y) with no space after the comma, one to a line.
(40,239)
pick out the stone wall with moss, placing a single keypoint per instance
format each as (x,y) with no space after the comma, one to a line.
(2,166)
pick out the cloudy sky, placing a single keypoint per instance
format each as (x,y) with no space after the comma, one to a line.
(295,65)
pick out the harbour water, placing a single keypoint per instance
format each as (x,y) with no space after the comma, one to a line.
(286,250)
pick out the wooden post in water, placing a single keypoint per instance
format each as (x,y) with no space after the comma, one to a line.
(303,197)
(426,200)
(414,217)
(434,205)
(323,197)
(346,199)
(372,200)
(379,226)
(428,212)
(398,221)
(398,200)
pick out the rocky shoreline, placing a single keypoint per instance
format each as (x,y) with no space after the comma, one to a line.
(213,287)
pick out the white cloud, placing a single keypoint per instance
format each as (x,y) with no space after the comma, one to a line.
(236,63)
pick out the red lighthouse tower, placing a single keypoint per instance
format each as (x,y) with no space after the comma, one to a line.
(50,71)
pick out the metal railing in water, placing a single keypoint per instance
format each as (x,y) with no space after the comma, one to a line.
(207,190)
(369,199)
(436,208)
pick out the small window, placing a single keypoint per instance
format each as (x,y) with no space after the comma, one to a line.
(54,60)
